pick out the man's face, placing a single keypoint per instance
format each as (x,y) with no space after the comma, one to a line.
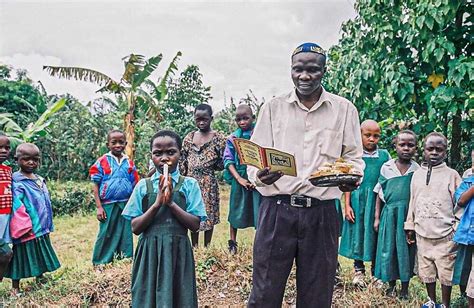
(307,71)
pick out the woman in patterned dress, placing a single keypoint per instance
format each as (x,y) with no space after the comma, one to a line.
(201,156)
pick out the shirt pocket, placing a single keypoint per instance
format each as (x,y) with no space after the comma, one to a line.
(331,143)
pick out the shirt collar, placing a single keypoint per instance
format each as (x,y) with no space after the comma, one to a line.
(293,98)
(371,154)
(174,176)
(124,157)
(393,166)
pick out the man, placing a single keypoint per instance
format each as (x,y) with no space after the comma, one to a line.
(297,220)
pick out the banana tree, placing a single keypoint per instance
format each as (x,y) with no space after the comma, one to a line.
(34,129)
(134,87)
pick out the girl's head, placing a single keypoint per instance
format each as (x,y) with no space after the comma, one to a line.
(116,142)
(405,145)
(244,117)
(4,147)
(165,148)
(28,157)
(203,117)
(435,147)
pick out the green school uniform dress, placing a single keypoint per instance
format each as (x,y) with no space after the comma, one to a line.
(243,203)
(394,258)
(163,268)
(359,238)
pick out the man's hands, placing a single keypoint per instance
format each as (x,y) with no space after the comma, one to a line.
(268,177)
(348,187)
(101,215)
(410,234)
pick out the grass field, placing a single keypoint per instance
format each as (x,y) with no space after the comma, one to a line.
(222,279)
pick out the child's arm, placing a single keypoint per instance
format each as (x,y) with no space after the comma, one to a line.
(348,211)
(188,220)
(378,208)
(409,225)
(466,197)
(101,216)
(242,182)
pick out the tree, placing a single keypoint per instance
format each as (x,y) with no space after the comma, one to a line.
(184,93)
(19,97)
(135,88)
(33,129)
(408,64)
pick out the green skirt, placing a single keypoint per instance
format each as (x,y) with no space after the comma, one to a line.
(394,258)
(462,266)
(115,239)
(163,272)
(32,259)
(243,206)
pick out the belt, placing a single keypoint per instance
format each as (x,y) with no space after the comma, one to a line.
(301,201)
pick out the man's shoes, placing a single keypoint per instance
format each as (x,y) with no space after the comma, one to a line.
(358,279)
(232,247)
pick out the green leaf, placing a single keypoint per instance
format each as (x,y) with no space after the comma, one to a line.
(429,21)
(439,53)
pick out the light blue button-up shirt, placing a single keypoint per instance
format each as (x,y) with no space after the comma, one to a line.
(190,188)
(465,232)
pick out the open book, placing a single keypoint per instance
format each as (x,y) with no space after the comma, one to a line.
(252,154)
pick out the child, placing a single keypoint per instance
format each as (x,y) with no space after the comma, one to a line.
(358,235)
(432,217)
(464,236)
(201,156)
(5,205)
(31,221)
(163,269)
(395,258)
(244,199)
(113,175)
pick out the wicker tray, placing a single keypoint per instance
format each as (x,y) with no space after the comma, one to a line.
(335,180)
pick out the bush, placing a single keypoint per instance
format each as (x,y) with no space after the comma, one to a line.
(69,198)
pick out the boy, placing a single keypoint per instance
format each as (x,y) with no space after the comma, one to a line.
(432,216)
(358,240)
(114,176)
(5,204)
(244,199)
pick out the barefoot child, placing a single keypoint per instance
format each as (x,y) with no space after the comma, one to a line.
(395,258)
(163,269)
(31,221)
(5,205)
(200,158)
(358,235)
(432,216)
(244,199)
(113,175)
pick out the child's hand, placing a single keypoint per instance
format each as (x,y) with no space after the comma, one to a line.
(410,234)
(245,183)
(101,216)
(166,192)
(376,225)
(349,213)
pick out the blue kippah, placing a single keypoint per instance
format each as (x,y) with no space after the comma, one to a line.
(309,47)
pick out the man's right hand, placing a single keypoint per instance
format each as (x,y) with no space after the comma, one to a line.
(268,177)
(101,216)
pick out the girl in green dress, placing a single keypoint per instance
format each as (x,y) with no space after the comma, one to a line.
(161,213)
(358,241)
(394,257)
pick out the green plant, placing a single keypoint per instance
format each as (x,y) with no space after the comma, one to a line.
(69,198)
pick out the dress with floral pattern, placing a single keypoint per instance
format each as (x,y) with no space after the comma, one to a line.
(201,164)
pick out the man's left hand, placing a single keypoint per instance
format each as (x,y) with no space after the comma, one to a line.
(348,187)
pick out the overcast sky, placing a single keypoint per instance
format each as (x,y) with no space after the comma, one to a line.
(237,45)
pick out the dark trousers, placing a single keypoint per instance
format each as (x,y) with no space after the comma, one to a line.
(285,233)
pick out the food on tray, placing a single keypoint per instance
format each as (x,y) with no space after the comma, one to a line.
(340,166)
